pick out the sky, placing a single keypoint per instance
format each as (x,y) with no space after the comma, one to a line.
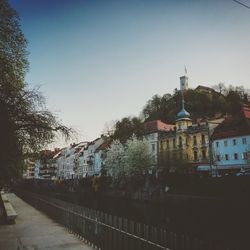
(99,61)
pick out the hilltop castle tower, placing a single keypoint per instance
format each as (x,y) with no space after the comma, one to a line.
(183,83)
(183,120)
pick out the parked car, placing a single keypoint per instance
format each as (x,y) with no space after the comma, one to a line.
(243,172)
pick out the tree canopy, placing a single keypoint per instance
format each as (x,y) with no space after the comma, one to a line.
(127,127)
(129,160)
(26,124)
(199,104)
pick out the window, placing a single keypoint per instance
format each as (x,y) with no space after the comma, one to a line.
(203,141)
(225,143)
(195,140)
(217,144)
(218,157)
(204,154)
(226,157)
(195,156)
(234,142)
(236,156)
(244,140)
(244,156)
(180,141)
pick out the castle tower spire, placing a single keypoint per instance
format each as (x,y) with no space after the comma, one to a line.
(183,117)
(184,81)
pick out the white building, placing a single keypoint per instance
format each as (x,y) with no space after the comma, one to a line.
(99,157)
(90,167)
(153,130)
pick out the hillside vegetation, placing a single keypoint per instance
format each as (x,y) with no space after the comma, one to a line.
(226,100)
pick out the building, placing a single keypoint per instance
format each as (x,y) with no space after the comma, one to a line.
(153,132)
(186,142)
(205,89)
(79,149)
(29,172)
(231,142)
(89,165)
(60,162)
(184,83)
(48,164)
(99,156)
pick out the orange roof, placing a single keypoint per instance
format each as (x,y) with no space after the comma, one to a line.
(157,125)
(103,146)
(246,111)
(234,126)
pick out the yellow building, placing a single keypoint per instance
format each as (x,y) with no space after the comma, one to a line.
(186,143)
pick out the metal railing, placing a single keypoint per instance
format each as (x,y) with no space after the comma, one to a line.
(108,232)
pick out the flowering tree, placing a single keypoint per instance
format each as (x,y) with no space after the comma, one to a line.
(138,158)
(115,160)
(132,159)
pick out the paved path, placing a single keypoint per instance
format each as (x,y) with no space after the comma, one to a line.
(34,230)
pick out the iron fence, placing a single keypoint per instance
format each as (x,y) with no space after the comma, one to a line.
(109,232)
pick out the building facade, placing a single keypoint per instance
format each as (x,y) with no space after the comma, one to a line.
(231,142)
(153,132)
(186,143)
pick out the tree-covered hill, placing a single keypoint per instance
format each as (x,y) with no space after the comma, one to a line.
(199,104)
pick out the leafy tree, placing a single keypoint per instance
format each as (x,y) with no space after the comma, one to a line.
(127,127)
(138,157)
(128,161)
(26,124)
(115,161)
(234,102)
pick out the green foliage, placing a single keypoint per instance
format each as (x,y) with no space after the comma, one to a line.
(127,127)
(199,104)
(115,160)
(138,157)
(128,161)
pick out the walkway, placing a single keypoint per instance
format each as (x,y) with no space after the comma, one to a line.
(34,231)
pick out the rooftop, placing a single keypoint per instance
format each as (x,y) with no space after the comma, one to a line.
(157,125)
(237,125)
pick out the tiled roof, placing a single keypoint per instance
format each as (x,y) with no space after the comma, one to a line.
(157,125)
(234,126)
(103,146)
(201,87)
(246,111)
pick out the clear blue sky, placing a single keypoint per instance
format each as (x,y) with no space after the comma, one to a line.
(98,61)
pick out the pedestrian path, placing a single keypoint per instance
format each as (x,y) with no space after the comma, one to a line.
(34,230)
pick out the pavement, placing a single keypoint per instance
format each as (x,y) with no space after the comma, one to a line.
(33,230)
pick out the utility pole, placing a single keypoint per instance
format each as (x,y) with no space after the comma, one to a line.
(210,147)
